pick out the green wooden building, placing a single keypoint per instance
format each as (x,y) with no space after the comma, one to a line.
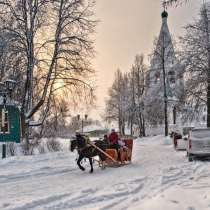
(10,126)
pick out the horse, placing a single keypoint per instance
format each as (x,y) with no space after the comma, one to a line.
(87,151)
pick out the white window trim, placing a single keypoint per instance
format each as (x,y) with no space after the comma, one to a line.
(7,132)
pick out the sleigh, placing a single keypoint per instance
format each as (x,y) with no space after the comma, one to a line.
(121,157)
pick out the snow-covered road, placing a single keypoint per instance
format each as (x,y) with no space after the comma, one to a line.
(159,178)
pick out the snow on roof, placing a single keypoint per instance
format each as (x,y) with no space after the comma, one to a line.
(8,102)
(90,128)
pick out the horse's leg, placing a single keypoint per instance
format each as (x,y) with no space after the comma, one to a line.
(78,162)
(102,160)
(91,165)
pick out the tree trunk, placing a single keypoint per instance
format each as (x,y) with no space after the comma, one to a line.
(208,96)
(131,131)
(144,132)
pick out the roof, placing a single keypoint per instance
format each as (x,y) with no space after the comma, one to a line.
(91,128)
(8,101)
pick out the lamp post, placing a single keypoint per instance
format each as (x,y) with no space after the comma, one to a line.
(82,120)
(6,89)
(174,101)
(174,115)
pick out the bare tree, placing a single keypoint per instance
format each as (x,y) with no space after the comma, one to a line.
(56,60)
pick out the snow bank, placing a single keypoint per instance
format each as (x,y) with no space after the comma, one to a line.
(45,145)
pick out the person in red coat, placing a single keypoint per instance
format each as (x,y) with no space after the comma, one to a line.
(113,139)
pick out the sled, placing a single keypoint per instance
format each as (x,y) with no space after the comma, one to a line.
(122,157)
(116,158)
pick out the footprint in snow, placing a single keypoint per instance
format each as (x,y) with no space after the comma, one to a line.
(5,205)
(191,208)
(121,187)
(89,191)
(174,201)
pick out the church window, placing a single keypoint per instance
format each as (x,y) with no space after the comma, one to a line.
(171,75)
(157,77)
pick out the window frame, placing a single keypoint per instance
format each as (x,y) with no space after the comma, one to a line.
(5,122)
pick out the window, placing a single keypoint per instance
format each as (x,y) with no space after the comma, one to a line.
(157,77)
(171,75)
(4,121)
(181,76)
(172,80)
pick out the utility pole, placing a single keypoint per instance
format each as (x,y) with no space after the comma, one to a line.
(165,97)
(3,126)
(82,125)
(164,15)
(174,114)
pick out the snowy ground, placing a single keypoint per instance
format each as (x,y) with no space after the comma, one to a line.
(159,178)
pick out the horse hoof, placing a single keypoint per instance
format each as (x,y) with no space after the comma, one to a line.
(91,171)
(83,169)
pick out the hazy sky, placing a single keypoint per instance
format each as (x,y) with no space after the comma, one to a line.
(128,27)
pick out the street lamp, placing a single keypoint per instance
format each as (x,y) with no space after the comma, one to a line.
(10,85)
(174,115)
(6,89)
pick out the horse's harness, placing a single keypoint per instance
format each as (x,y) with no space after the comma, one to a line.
(87,145)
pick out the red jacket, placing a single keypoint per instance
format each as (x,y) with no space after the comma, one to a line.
(113,138)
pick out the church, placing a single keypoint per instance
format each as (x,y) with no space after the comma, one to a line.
(164,81)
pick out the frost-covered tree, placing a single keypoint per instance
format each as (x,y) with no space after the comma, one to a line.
(125,104)
(196,59)
(117,105)
(137,88)
(51,41)
(173,2)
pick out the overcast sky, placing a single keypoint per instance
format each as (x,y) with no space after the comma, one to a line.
(128,27)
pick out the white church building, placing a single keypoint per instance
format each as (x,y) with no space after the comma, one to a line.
(164,64)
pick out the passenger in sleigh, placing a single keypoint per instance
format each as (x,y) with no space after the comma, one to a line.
(118,144)
(113,140)
(106,139)
(124,151)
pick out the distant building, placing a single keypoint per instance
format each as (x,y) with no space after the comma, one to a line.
(164,57)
